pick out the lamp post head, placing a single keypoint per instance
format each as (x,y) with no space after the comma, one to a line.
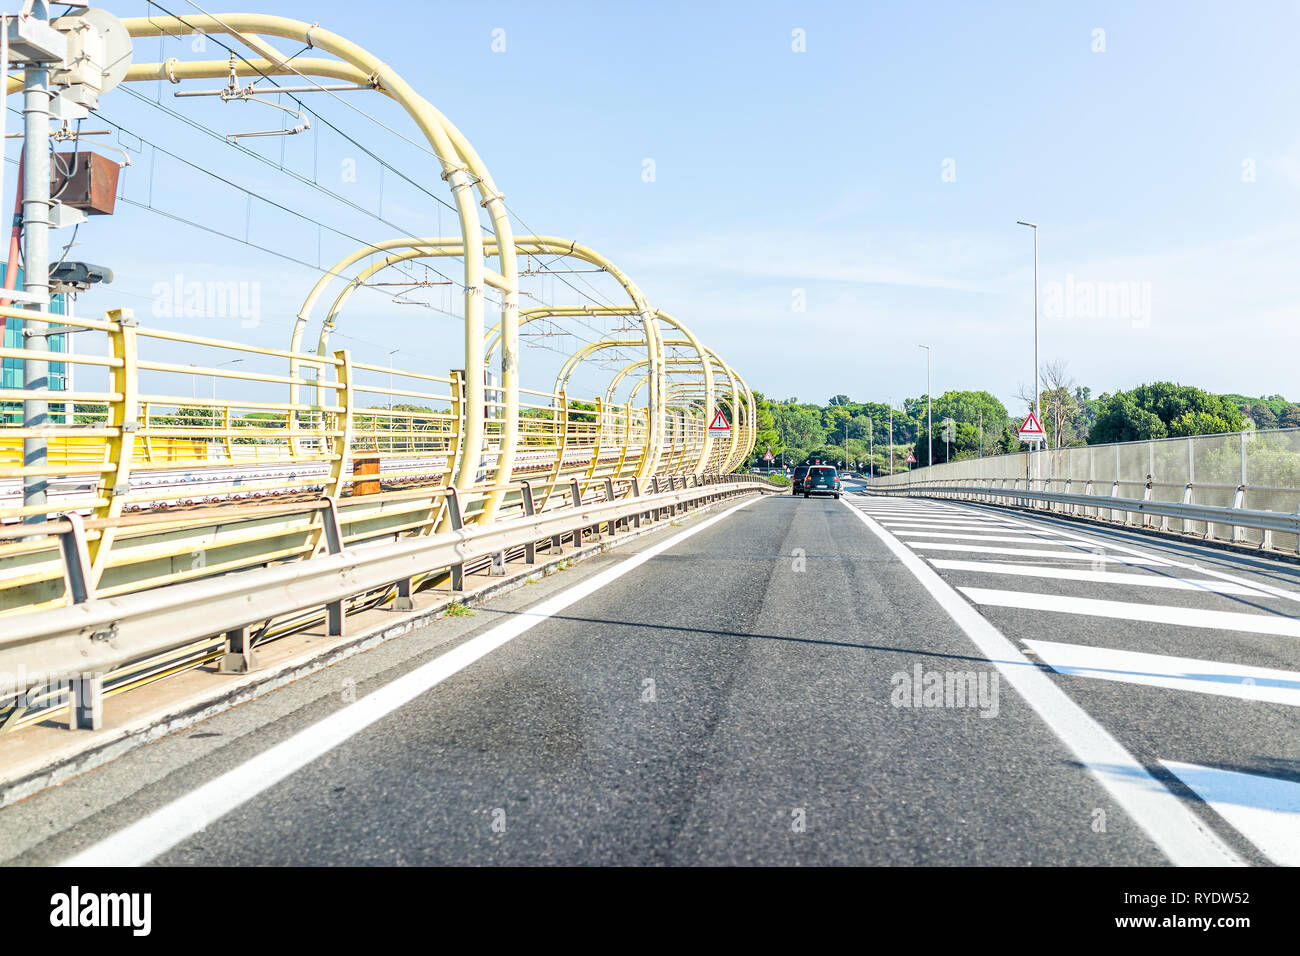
(1031,225)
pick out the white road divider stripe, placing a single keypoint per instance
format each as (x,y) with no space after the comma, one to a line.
(1130,611)
(1242,681)
(1178,832)
(1019,537)
(1266,810)
(1155,580)
(168,826)
(1071,555)
(950,526)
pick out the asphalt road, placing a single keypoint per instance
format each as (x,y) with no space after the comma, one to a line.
(745,697)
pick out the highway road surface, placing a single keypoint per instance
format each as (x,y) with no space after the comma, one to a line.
(869,680)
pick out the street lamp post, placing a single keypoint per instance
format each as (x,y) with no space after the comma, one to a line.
(891,435)
(929,410)
(871,444)
(1038,412)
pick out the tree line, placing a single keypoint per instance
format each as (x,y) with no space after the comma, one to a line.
(969,424)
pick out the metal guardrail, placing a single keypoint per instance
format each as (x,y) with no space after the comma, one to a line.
(80,644)
(1256,470)
(1236,518)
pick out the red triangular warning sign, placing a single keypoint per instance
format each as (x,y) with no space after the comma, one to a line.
(1031,428)
(911,459)
(719,425)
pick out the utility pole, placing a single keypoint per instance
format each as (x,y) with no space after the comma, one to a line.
(891,435)
(981,433)
(929,410)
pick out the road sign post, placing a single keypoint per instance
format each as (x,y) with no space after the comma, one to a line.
(1032,432)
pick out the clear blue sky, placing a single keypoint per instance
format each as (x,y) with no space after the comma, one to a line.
(821,175)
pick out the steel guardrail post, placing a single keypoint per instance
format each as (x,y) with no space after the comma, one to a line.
(77,573)
(526,495)
(86,702)
(1238,502)
(238,658)
(333,545)
(457,523)
(576,503)
(636,493)
(405,599)
(609,497)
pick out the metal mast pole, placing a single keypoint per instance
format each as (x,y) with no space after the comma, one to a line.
(36,277)
(929,411)
(891,436)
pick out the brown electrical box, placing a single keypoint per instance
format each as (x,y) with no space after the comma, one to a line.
(92,185)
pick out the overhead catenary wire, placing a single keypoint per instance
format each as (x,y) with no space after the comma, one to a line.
(598,299)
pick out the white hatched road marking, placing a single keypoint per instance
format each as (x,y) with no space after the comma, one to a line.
(954,526)
(1187,565)
(947,522)
(1265,809)
(1129,611)
(1101,577)
(1243,681)
(1175,829)
(1037,553)
(1018,537)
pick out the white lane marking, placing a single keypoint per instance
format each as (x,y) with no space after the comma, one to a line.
(940,519)
(1178,832)
(1035,553)
(1019,537)
(948,525)
(166,827)
(1100,577)
(1243,681)
(1266,810)
(1188,565)
(1129,611)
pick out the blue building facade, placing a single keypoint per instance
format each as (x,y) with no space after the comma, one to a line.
(11,369)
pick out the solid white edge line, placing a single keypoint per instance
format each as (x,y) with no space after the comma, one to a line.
(185,816)
(1179,833)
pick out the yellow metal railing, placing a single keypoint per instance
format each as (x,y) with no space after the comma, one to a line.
(220,470)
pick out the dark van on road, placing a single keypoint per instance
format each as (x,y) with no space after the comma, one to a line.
(796,482)
(821,480)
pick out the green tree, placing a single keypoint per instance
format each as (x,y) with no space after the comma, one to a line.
(1163,409)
